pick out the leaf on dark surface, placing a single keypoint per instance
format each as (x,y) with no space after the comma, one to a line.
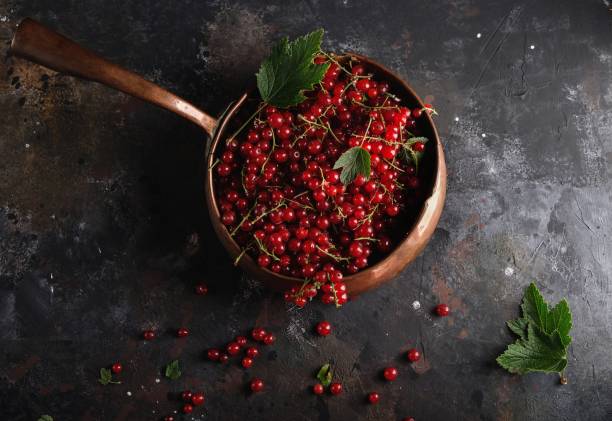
(173,370)
(45,418)
(325,375)
(106,377)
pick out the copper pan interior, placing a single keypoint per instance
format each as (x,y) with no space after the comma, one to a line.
(246,105)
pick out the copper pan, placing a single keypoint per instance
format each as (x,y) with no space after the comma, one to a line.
(41,45)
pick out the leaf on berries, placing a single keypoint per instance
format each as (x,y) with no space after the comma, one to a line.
(106,377)
(354,161)
(290,70)
(325,375)
(409,154)
(45,418)
(544,336)
(538,352)
(173,370)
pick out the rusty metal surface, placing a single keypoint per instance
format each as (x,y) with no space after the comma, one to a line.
(103,229)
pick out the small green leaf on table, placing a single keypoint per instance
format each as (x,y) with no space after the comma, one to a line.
(45,418)
(106,377)
(173,370)
(325,375)
(354,161)
(543,336)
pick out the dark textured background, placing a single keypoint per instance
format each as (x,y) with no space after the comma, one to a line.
(101,210)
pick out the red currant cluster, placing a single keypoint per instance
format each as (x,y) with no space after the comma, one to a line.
(191,400)
(282,200)
(258,334)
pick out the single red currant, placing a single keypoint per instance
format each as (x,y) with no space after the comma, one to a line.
(182,332)
(233,348)
(117,368)
(442,310)
(186,395)
(258,334)
(247,362)
(324,328)
(373,398)
(213,354)
(390,373)
(187,408)
(197,399)
(241,341)
(252,352)
(257,385)
(148,335)
(335,388)
(223,358)
(269,339)
(413,354)
(318,389)
(201,289)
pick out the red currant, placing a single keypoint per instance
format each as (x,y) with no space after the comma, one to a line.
(186,395)
(247,362)
(213,354)
(148,335)
(187,408)
(117,368)
(390,373)
(197,399)
(269,339)
(182,332)
(201,289)
(324,328)
(318,389)
(252,352)
(257,385)
(241,341)
(442,310)
(258,334)
(413,354)
(335,388)
(233,348)
(373,398)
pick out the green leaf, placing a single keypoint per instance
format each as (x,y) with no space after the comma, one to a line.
(538,352)
(45,418)
(518,326)
(106,377)
(289,70)
(354,161)
(325,375)
(536,310)
(409,154)
(173,370)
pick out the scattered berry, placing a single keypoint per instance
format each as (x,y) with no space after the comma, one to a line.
(213,354)
(241,341)
(187,408)
(252,352)
(247,362)
(197,399)
(318,389)
(390,373)
(186,395)
(201,289)
(413,354)
(408,419)
(258,334)
(324,328)
(269,339)
(373,398)
(335,388)
(233,348)
(169,418)
(223,358)
(148,335)
(117,368)
(182,332)
(442,310)
(257,385)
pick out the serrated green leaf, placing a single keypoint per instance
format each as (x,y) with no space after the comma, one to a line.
(353,161)
(45,418)
(173,370)
(325,375)
(106,377)
(290,70)
(538,352)
(518,326)
(536,310)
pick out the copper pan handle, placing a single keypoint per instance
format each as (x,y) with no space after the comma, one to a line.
(41,45)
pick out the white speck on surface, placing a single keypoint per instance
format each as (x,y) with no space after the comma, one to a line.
(99,250)
(82,225)
(129,393)
(484,135)
(532,47)
(508,271)
(416,305)
(478,35)
(27,145)
(3,18)
(51,289)
(157,380)
(53,216)
(51,275)
(456,118)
